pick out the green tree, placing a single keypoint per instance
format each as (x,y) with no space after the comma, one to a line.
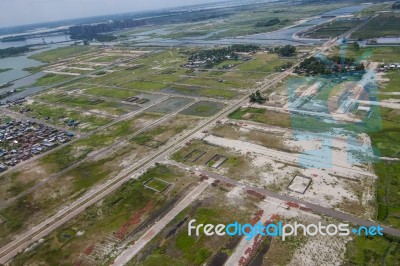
(257,97)
(356,46)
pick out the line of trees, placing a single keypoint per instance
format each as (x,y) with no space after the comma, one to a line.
(13,51)
(334,64)
(216,56)
(285,51)
(396,5)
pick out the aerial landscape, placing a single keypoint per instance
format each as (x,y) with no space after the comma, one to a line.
(130,136)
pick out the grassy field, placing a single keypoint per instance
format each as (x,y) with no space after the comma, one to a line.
(385,25)
(386,54)
(385,138)
(262,116)
(394,82)
(107,106)
(51,79)
(373,251)
(203,108)
(143,85)
(203,92)
(388,192)
(116,216)
(263,62)
(332,29)
(62,53)
(165,131)
(110,92)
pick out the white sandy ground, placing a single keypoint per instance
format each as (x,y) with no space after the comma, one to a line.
(328,188)
(314,251)
(337,165)
(321,250)
(392,103)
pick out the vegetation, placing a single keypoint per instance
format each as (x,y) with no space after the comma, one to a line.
(334,64)
(385,54)
(262,116)
(257,97)
(13,51)
(268,23)
(283,67)
(13,39)
(286,51)
(51,79)
(60,53)
(385,25)
(5,69)
(373,251)
(214,57)
(333,29)
(388,196)
(356,46)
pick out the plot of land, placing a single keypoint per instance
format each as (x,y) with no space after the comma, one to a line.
(203,108)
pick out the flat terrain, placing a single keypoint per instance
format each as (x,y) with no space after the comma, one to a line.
(160,137)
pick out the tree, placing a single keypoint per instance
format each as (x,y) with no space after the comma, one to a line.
(287,50)
(356,46)
(257,97)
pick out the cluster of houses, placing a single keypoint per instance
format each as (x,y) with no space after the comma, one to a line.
(387,67)
(20,140)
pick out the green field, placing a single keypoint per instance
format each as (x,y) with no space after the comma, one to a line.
(203,92)
(373,251)
(385,25)
(51,79)
(203,108)
(108,106)
(262,116)
(110,92)
(332,29)
(62,53)
(383,54)
(388,193)
(394,82)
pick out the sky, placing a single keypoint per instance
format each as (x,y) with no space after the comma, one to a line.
(20,12)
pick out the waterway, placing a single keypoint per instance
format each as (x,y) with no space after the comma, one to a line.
(279,37)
